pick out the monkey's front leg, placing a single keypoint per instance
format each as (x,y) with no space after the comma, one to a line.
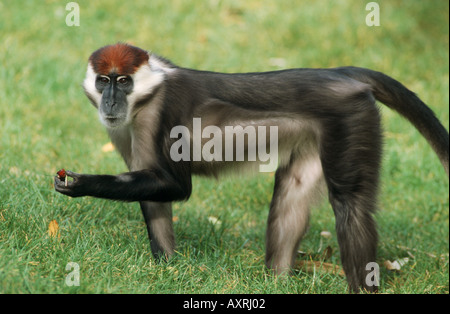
(144,185)
(158,218)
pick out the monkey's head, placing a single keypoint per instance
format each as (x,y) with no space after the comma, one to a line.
(118,77)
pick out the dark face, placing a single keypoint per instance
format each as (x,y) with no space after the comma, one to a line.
(114,105)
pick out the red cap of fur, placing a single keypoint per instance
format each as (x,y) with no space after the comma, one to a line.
(120,58)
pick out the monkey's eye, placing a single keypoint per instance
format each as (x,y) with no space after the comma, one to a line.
(123,80)
(104,79)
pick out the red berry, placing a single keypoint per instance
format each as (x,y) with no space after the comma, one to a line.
(61,174)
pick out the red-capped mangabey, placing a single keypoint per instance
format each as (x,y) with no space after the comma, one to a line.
(328,136)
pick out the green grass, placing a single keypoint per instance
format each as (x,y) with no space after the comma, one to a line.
(46,123)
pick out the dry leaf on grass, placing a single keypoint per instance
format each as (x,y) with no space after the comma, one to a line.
(327,253)
(109,147)
(395,265)
(53,229)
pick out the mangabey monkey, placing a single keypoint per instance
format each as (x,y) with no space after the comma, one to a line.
(329,135)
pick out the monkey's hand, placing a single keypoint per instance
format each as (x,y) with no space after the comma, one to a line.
(74,188)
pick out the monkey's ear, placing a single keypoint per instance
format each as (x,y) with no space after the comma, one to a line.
(90,97)
(160,64)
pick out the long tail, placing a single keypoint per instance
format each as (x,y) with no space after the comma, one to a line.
(397,97)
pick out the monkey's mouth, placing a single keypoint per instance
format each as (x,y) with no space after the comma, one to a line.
(112,121)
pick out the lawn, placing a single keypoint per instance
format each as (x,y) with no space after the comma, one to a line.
(47,123)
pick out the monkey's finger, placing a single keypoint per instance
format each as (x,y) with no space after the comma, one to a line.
(63,189)
(57,183)
(60,185)
(72,174)
(57,180)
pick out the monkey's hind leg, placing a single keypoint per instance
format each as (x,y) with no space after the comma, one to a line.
(158,218)
(351,157)
(297,187)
